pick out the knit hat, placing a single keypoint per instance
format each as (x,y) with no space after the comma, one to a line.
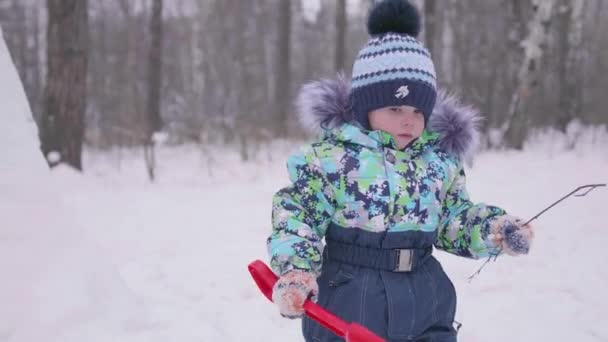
(393,68)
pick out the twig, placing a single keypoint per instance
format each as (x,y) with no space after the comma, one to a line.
(589,188)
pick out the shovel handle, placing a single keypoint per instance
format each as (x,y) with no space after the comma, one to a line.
(265,280)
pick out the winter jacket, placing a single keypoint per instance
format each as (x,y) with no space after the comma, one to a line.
(359,179)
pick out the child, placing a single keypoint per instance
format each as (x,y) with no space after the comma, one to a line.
(384,185)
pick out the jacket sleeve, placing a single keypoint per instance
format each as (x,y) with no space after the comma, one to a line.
(301,213)
(464,226)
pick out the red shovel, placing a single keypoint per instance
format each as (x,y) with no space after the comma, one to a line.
(352,332)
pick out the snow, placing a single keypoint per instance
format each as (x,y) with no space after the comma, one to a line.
(107,256)
(311,9)
(57,283)
(53,157)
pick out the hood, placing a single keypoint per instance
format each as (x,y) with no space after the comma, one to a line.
(324,106)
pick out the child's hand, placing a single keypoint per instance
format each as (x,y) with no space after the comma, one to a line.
(291,290)
(508,233)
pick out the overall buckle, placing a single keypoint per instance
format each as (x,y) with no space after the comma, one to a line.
(404,260)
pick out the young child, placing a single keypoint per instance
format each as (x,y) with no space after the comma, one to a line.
(384,185)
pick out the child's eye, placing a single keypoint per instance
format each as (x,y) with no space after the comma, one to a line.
(395,109)
(417,111)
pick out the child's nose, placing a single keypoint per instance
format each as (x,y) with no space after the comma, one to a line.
(407,120)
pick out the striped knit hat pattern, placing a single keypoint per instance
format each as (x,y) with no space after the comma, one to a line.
(393,68)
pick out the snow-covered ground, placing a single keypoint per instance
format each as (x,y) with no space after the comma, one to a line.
(106,256)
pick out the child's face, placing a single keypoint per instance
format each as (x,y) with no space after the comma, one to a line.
(404,123)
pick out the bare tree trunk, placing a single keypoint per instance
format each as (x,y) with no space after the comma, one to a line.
(35,65)
(245,41)
(133,120)
(430,24)
(62,130)
(155,58)
(518,19)
(447,44)
(514,129)
(341,22)
(20,47)
(462,45)
(283,75)
(104,88)
(570,59)
(564,21)
(154,122)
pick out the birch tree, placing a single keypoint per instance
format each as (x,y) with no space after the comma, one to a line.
(514,127)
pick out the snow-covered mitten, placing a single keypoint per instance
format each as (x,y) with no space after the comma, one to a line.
(510,235)
(291,290)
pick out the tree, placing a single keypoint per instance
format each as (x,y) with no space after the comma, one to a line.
(62,127)
(341,23)
(570,60)
(155,68)
(514,127)
(282,73)
(154,122)
(430,24)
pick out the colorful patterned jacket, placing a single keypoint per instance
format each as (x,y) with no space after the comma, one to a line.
(359,179)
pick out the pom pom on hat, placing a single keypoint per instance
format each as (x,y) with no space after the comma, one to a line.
(397,16)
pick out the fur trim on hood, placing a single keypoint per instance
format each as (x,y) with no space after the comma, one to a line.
(325,104)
